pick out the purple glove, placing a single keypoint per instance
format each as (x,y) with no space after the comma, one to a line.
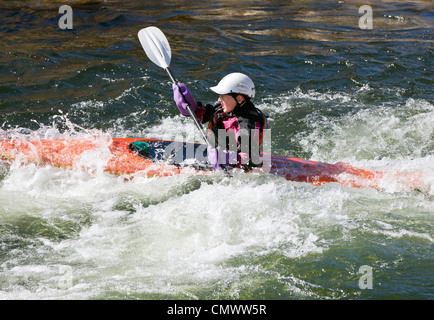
(213,157)
(217,157)
(179,90)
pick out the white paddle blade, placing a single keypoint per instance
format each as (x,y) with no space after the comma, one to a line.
(156,46)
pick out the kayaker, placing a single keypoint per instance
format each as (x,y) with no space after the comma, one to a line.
(235,125)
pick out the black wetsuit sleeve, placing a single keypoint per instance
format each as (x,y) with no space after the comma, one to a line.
(205,112)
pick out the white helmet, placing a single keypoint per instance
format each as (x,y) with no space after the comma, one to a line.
(235,83)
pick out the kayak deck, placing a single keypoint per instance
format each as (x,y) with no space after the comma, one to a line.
(117,158)
(71,152)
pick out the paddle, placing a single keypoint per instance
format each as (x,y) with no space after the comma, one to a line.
(157,48)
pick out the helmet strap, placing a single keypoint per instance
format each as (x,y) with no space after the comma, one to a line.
(235,95)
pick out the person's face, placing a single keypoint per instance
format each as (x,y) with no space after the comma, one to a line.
(229,103)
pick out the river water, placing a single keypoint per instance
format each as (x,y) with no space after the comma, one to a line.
(332,91)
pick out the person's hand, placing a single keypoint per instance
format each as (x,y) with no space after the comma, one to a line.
(183,97)
(217,157)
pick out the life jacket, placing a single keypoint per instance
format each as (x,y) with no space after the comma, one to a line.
(244,124)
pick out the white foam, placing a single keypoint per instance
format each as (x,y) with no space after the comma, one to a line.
(177,230)
(173,235)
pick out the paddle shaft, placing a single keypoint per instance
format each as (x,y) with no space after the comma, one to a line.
(157,48)
(192,114)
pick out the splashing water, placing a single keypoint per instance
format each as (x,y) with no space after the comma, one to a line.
(332,92)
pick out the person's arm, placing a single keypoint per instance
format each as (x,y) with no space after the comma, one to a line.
(183,97)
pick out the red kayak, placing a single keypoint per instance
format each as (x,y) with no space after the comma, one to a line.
(121,159)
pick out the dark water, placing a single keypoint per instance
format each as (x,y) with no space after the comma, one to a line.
(333,92)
